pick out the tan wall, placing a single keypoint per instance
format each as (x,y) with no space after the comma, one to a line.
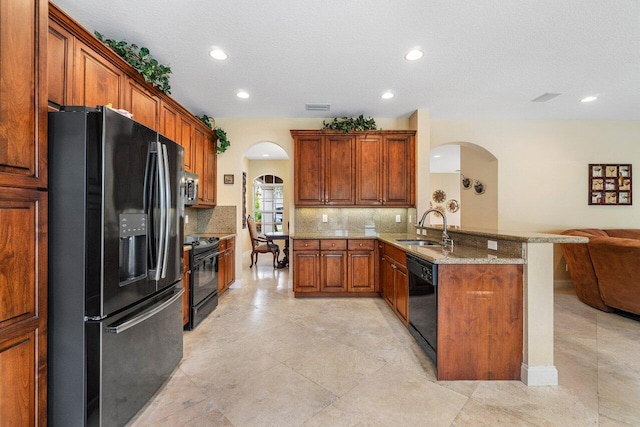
(450,184)
(481,210)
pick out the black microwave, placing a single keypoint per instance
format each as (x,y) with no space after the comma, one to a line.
(190,188)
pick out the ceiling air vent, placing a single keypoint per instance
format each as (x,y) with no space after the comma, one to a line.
(317,107)
(546,97)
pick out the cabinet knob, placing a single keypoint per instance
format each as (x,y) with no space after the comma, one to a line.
(306,244)
(360,244)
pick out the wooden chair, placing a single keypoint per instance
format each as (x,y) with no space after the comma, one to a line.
(260,244)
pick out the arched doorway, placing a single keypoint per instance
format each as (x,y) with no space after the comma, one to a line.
(474,205)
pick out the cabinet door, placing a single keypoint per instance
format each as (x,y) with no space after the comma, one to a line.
(368,170)
(387,277)
(95,80)
(306,271)
(142,104)
(339,170)
(398,170)
(333,269)
(59,66)
(309,170)
(198,157)
(168,122)
(185,138)
(402,293)
(23,307)
(23,93)
(232,261)
(210,172)
(361,271)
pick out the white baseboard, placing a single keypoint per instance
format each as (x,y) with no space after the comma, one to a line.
(538,375)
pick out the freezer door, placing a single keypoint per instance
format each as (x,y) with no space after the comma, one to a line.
(131,356)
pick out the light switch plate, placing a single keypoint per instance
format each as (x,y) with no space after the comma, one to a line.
(325,218)
(186,219)
(492,244)
(398,218)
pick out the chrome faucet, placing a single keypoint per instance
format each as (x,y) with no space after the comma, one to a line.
(446,240)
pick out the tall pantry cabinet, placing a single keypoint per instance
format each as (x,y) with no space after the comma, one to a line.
(23,212)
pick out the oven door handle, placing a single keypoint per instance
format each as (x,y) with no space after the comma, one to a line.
(198,258)
(118,328)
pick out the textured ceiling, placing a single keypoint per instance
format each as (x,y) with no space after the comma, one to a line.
(483,59)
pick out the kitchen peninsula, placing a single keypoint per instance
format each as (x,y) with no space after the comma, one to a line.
(524,259)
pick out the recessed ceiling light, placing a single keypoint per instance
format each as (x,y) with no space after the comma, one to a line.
(414,55)
(218,54)
(589,99)
(436,156)
(265,155)
(387,95)
(242,94)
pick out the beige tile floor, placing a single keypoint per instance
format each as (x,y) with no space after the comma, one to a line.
(263,358)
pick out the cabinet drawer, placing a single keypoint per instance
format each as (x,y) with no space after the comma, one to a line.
(231,243)
(333,244)
(223,245)
(398,255)
(361,245)
(302,244)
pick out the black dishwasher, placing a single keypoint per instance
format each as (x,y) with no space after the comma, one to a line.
(423,304)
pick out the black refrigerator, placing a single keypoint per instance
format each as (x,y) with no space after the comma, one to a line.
(115,265)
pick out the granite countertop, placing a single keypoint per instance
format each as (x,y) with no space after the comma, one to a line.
(435,254)
(461,254)
(221,236)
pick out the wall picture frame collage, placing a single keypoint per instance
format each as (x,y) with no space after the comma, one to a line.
(610,184)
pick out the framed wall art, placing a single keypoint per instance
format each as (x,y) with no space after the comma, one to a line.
(609,184)
(228,179)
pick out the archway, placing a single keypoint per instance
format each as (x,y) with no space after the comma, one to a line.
(474,183)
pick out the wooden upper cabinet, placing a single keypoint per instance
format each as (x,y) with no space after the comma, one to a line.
(143,104)
(210,169)
(185,138)
(309,169)
(23,102)
(96,81)
(60,50)
(168,121)
(339,170)
(368,170)
(398,175)
(375,168)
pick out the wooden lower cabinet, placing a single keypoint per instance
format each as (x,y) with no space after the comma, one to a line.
(480,321)
(186,275)
(23,307)
(226,264)
(395,281)
(361,266)
(334,266)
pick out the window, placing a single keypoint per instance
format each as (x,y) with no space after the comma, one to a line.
(268,203)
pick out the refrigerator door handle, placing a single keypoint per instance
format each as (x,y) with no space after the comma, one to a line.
(118,328)
(167,208)
(163,210)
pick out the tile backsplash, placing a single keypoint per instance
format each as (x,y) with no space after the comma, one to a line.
(221,219)
(357,220)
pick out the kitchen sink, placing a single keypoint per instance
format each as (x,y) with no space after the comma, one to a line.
(416,242)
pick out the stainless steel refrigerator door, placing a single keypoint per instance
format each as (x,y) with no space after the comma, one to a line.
(130,356)
(115,183)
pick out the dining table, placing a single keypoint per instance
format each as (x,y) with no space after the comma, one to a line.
(280,235)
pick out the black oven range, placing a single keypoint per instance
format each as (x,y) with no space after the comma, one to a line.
(203,283)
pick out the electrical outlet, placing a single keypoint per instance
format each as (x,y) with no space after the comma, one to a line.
(491,256)
(186,219)
(492,244)
(325,218)
(398,218)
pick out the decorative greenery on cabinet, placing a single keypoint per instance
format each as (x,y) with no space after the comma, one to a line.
(223,141)
(347,124)
(140,59)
